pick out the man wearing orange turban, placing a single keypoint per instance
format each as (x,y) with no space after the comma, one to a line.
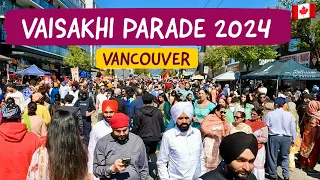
(113,154)
(102,128)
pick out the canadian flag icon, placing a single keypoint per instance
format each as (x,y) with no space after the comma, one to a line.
(304,11)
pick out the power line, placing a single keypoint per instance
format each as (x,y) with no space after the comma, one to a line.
(210,1)
(207,3)
(220,3)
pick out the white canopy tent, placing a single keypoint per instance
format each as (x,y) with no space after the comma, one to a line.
(198,77)
(228,76)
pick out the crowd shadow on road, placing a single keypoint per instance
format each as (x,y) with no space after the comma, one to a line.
(298,170)
(314,175)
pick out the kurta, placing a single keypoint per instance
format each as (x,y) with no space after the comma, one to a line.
(243,128)
(108,151)
(181,155)
(201,112)
(262,137)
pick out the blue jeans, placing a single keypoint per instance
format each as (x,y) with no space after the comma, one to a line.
(276,145)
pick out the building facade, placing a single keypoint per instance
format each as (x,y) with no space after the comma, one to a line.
(89,4)
(49,58)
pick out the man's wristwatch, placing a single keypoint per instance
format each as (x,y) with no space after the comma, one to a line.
(111,170)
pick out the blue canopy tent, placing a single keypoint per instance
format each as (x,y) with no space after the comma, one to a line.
(84,74)
(32,71)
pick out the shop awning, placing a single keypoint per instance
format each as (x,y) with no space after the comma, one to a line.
(284,70)
(4,58)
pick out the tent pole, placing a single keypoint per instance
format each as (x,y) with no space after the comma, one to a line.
(277,90)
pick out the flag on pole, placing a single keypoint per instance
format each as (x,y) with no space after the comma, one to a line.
(303,11)
(165,75)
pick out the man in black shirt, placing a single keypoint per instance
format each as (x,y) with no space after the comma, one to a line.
(148,125)
(87,108)
(239,151)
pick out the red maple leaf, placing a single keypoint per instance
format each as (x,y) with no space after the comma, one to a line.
(303,10)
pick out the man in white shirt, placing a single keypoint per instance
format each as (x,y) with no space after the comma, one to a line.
(102,128)
(102,96)
(16,95)
(74,92)
(181,152)
(64,89)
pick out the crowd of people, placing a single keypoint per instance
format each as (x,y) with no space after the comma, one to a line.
(160,129)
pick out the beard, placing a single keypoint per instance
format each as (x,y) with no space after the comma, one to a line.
(239,174)
(120,139)
(183,127)
(107,119)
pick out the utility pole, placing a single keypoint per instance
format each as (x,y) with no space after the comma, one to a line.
(201,59)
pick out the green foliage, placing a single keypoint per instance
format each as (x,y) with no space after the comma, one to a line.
(78,58)
(109,72)
(308,30)
(141,71)
(216,56)
(249,54)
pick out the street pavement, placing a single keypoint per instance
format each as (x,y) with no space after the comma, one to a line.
(299,174)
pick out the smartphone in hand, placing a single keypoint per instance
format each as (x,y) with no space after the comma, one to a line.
(126,161)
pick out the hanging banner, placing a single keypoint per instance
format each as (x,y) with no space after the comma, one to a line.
(301,58)
(75,74)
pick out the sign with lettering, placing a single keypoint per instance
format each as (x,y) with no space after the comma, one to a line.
(147,58)
(154,26)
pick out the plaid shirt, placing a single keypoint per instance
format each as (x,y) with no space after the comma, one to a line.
(27,93)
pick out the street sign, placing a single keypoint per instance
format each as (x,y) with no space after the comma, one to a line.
(206,70)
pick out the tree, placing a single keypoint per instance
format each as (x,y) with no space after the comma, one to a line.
(141,71)
(215,56)
(78,57)
(218,55)
(308,30)
(249,54)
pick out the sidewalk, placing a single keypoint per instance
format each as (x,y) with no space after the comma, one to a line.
(299,174)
